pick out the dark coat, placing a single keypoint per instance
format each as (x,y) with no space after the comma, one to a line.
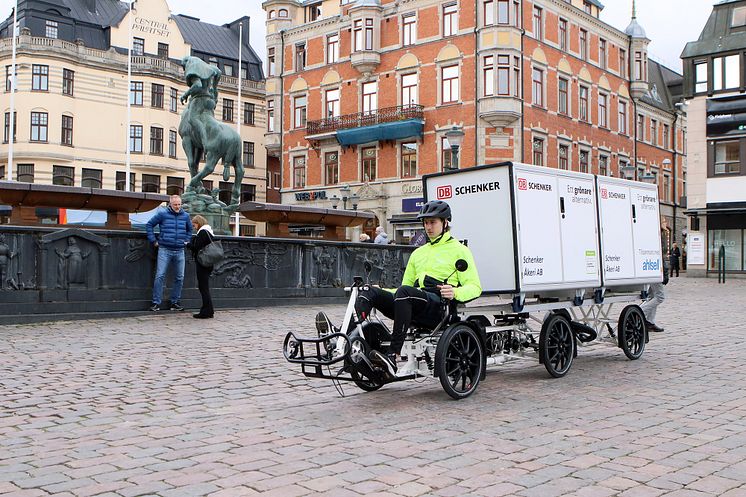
(674,256)
(176,228)
(199,241)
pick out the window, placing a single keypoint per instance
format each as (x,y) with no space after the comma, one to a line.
(562,106)
(331,165)
(488,75)
(151,183)
(603,165)
(488,12)
(228,110)
(370,97)
(638,65)
(449,88)
(51,30)
(207,184)
(409,160)
(67,131)
(68,80)
(583,109)
(299,172)
(156,96)
(622,117)
(450,19)
(136,138)
(446,154)
(271,61)
(517,77)
(727,157)
(666,188)
(248,154)
(8,78)
(700,76)
(583,162)
(641,127)
(563,34)
(136,93)
(584,44)
(173,100)
(120,181)
(163,50)
(409,29)
(369,164)
(248,113)
(538,151)
(332,103)
(362,37)
(248,194)
(369,34)
(622,63)
(537,87)
(247,230)
(138,46)
(282,13)
(271,116)
(300,56)
(332,48)
(409,89)
(225,191)
(39,78)
(739,17)
(25,173)
(156,141)
(654,132)
(2,172)
(6,132)
(564,153)
(91,178)
(228,69)
(39,121)
(503,12)
(587,8)
(602,53)
(357,35)
(503,75)
(174,185)
(517,13)
(603,120)
(299,112)
(538,23)
(666,136)
(726,72)
(63,175)
(172,143)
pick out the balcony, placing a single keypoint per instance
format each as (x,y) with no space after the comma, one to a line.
(365,61)
(500,111)
(391,123)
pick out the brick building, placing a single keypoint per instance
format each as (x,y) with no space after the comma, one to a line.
(362,97)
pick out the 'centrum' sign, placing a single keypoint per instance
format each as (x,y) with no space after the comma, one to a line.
(149,26)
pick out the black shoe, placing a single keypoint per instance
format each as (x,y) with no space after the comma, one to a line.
(201,316)
(155,308)
(175,306)
(653,327)
(386,361)
(324,325)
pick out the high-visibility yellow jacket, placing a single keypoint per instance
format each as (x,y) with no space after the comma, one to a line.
(438,260)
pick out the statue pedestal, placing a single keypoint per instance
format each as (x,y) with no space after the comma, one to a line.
(218,214)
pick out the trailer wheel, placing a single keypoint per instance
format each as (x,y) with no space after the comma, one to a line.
(631,332)
(357,367)
(556,345)
(459,359)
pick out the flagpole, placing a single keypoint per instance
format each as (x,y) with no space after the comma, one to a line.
(240,110)
(127,132)
(11,116)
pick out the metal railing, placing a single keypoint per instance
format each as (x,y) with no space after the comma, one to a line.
(386,115)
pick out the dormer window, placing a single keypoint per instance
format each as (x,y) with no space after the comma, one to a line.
(282,13)
(739,17)
(700,76)
(726,72)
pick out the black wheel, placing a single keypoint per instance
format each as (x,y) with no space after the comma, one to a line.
(556,345)
(357,366)
(459,359)
(631,332)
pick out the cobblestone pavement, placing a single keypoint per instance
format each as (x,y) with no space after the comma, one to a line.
(172,406)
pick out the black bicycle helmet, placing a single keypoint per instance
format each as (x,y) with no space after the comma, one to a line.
(435,208)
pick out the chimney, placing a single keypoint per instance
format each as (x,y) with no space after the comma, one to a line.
(91,6)
(245,22)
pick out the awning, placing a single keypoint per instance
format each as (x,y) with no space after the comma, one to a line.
(398,130)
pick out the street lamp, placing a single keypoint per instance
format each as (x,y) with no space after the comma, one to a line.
(345,191)
(648,178)
(628,171)
(455,138)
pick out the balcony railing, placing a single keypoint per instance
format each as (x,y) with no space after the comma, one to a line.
(387,115)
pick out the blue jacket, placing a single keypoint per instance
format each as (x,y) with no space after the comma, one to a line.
(176,228)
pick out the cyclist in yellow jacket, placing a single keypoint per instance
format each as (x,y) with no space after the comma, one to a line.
(429,277)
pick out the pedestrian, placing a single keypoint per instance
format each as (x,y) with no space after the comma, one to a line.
(203,237)
(674,256)
(175,231)
(650,306)
(381,237)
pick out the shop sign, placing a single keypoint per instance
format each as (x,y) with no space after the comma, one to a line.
(150,26)
(308,196)
(726,116)
(409,188)
(696,246)
(411,204)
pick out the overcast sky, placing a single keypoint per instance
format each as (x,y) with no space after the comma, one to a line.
(668,23)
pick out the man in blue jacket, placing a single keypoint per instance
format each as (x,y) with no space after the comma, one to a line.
(175,231)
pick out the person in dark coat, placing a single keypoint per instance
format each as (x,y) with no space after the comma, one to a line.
(203,238)
(674,256)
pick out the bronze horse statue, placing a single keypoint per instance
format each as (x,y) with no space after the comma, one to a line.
(203,135)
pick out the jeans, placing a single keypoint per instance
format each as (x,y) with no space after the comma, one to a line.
(168,257)
(650,306)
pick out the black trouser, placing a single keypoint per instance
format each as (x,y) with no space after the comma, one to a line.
(203,283)
(675,267)
(408,304)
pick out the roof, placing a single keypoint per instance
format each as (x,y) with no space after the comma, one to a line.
(718,36)
(665,87)
(635,30)
(108,12)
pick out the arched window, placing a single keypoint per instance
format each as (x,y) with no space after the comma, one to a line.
(272,14)
(283,13)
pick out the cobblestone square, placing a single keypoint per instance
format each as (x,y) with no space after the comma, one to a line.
(168,405)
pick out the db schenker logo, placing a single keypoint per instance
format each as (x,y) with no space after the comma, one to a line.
(522,184)
(444,192)
(604,193)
